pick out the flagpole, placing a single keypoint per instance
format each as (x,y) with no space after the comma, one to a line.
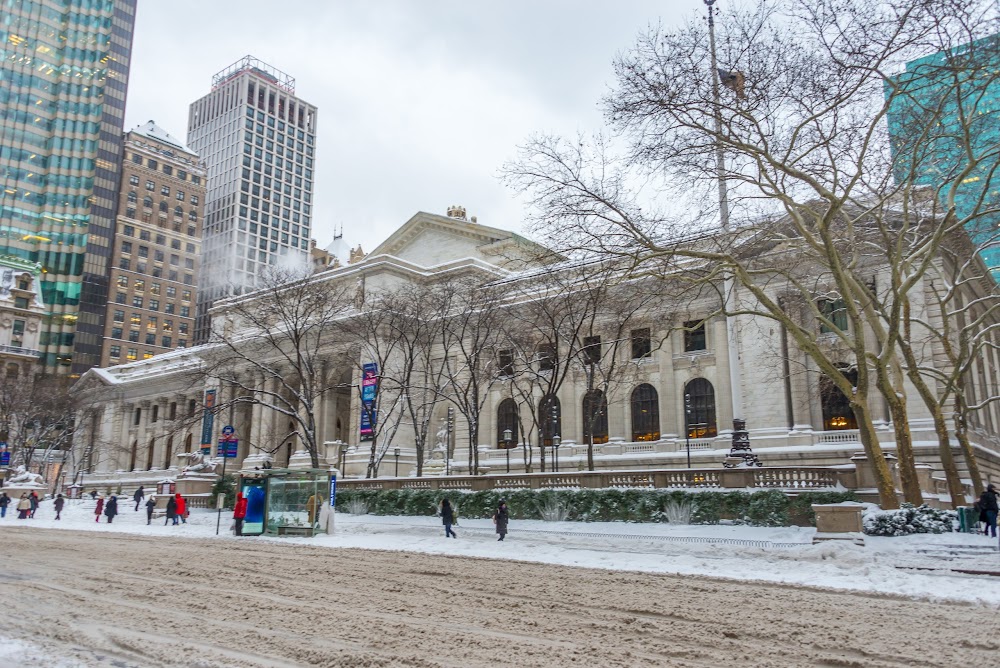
(740,449)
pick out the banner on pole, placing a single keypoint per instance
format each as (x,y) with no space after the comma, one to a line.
(369,389)
(208,419)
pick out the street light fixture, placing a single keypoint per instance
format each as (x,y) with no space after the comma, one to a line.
(396,452)
(555,448)
(508,436)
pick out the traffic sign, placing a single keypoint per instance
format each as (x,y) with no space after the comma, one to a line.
(227,448)
(228,430)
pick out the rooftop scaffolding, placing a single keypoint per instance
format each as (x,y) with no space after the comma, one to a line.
(258,67)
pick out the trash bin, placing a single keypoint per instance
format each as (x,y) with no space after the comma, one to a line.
(968,519)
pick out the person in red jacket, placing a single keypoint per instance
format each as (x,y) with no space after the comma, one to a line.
(181,507)
(240,512)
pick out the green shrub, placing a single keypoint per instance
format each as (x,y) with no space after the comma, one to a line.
(761,508)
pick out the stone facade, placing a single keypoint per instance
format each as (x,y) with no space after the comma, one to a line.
(151,411)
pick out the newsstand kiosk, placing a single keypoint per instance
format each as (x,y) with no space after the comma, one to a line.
(288,502)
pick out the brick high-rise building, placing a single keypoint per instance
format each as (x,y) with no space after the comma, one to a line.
(157,249)
(258,141)
(63,78)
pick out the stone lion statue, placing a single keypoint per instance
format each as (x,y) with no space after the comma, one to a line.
(199,463)
(22,477)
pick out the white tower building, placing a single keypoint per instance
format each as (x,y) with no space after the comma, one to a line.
(258,142)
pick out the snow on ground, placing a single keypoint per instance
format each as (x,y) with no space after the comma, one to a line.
(780,555)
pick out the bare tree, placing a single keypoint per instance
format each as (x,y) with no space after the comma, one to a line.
(275,349)
(801,138)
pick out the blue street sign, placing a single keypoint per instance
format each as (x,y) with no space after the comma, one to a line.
(333,491)
(227,448)
(228,430)
(5,455)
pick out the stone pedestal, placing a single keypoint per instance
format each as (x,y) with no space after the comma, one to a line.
(839,521)
(15,492)
(300,459)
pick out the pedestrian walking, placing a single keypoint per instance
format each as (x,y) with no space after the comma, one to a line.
(239,513)
(58,504)
(447,518)
(171,511)
(181,508)
(33,500)
(23,507)
(138,497)
(150,506)
(93,493)
(500,518)
(99,508)
(111,508)
(4,502)
(988,502)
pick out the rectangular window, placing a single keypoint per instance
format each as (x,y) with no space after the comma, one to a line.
(185,312)
(546,355)
(505,363)
(143,251)
(182,328)
(119,316)
(152,164)
(126,246)
(180,195)
(694,336)
(123,282)
(151,323)
(165,191)
(171,291)
(131,354)
(154,304)
(165,342)
(592,350)
(115,351)
(154,288)
(641,343)
(133,336)
(128,231)
(150,186)
(139,285)
(151,339)
(137,301)
(121,298)
(116,332)
(835,311)
(168,307)
(186,296)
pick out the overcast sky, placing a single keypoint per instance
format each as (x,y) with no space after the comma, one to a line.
(420,102)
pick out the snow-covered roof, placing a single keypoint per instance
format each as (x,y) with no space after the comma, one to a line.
(153,131)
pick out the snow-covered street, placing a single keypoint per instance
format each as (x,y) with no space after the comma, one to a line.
(128,594)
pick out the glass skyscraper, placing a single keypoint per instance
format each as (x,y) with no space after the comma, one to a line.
(943,109)
(64,67)
(258,143)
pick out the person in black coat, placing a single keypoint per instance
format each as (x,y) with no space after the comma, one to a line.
(138,497)
(111,509)
(150,506)
(58,505)
(988,503)
(171,511)
(447,518)
(4,502)
(500,519)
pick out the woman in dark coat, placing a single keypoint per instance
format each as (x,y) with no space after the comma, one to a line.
(171,511)
(500,519)
(111,508)
(58,505)
(99,509)
(150,506)
(447,518)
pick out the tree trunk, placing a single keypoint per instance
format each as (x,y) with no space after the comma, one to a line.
(940,427)
(896,400)
(473,443)
(880,467)
(962,434)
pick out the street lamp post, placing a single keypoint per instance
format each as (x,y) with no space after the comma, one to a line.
(555,448)
(687,425)
(343,458)
(555,435)
(447,451)
(508,436)
(396,452)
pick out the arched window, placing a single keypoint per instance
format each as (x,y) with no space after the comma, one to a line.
(132,197)
(135,452)
(168,452)
(147,202)
(645,413)
(700,420)
(163,207)
(192,215)
(187,443)
(837,413)
(549,418)
(595,416)
(149,453)
(178,212)
(507,419)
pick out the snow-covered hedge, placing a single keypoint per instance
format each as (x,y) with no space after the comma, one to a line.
(908,519)
(763,508)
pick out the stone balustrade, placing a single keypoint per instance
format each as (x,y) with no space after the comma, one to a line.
(805,478)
